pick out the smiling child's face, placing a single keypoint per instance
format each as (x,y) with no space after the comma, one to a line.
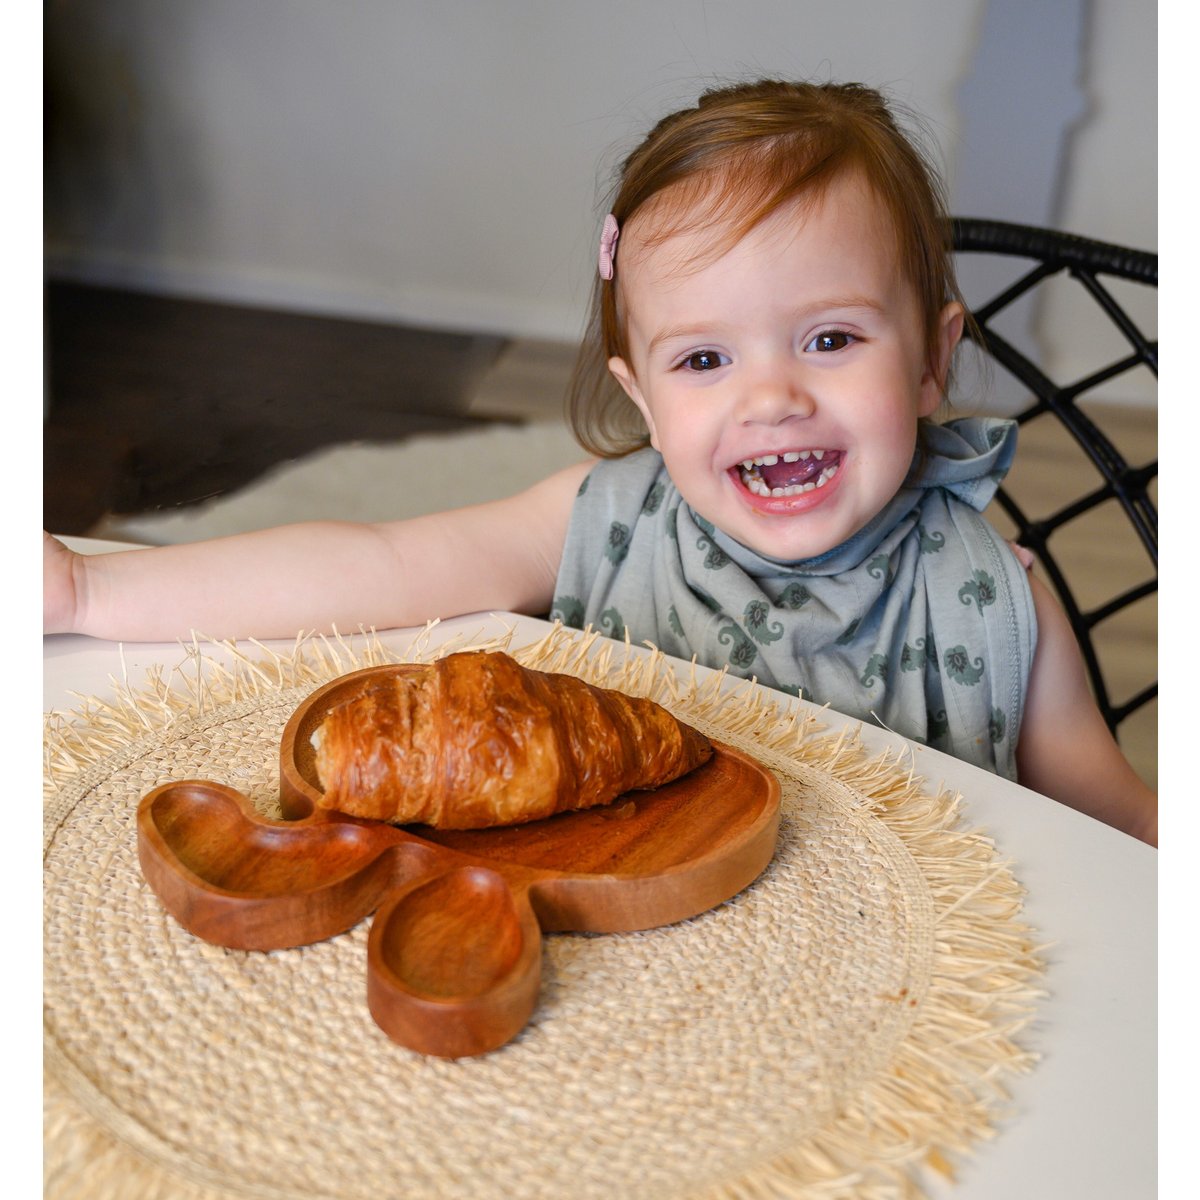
(782,382)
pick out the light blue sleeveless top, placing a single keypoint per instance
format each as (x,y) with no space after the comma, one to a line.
(922,621)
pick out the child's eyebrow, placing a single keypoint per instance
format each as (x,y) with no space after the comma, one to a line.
(682,333)
(869,304)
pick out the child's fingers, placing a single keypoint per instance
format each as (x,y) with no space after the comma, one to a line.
(1024,555)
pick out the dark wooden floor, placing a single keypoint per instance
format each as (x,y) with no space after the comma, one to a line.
(156,402)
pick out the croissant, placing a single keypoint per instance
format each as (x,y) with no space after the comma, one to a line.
(475,740)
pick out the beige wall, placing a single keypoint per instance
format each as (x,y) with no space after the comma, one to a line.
(444,164)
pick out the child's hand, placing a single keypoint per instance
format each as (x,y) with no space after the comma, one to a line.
(1023,553)
(58,586)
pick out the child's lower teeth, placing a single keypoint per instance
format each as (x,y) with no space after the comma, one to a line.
(754,483)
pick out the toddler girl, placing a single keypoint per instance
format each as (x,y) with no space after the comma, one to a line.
(772,329)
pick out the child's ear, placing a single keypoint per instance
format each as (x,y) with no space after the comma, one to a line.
(629,385)
(933,382)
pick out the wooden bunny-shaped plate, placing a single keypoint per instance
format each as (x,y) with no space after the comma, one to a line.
(454,952)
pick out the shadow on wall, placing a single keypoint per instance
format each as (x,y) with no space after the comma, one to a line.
(96,172)
(1019,103)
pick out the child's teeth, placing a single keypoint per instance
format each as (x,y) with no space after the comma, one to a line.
(791,456)
(755,483)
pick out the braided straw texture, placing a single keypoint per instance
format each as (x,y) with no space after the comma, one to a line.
(841,1026)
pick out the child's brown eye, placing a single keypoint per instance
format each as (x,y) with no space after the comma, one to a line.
(830,339)
(704,360)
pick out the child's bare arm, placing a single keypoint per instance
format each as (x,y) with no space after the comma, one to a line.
(500,555)
(1065,748)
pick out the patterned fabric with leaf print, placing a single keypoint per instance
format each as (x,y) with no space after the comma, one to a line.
(922,621)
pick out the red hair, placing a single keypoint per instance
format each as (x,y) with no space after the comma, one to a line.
(737,157)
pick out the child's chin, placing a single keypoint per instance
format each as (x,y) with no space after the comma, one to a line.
(776,537)
(787,550)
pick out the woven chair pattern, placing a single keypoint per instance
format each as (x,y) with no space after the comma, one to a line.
(1086,262)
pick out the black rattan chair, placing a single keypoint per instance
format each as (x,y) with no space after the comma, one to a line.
(1039,255)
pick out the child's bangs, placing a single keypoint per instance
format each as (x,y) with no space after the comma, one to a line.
(733,196)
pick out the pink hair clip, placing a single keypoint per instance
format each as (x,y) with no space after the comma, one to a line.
(608,246)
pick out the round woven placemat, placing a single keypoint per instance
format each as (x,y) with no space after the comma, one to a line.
(844,1021)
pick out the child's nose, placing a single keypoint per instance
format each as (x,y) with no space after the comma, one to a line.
(774,395)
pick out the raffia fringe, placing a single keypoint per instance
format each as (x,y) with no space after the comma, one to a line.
(946,1087)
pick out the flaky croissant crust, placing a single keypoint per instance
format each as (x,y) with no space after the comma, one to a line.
(475,740)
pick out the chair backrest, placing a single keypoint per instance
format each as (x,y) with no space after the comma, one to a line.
(1040,255)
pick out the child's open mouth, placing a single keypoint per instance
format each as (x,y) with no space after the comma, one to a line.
(789,474)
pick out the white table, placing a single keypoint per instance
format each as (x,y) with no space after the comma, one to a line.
(1085,1121)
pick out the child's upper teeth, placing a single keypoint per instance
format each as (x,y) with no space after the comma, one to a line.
(791,456)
